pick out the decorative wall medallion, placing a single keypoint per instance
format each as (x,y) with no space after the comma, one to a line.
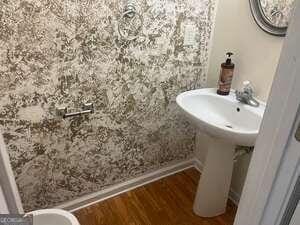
(272,15)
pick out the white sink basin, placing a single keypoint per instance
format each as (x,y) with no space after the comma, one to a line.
(227,123)
(222,116)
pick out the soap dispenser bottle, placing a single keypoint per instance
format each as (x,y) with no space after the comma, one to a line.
(226,76)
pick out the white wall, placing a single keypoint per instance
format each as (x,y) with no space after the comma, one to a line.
(256,57)
(3,206)
(296,218)
(8,186)
(256,52)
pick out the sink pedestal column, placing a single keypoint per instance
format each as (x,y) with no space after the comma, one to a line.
(214,184)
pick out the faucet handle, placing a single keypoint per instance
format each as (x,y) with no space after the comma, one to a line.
(247,87)
(246,96)
(246,83)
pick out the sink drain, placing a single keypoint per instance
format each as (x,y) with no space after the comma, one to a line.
(229,126)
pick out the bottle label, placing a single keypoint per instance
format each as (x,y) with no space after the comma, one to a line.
(225,79)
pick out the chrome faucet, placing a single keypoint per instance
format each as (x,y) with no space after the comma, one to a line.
(246,96)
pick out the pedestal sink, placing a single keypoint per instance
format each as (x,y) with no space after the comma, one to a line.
(228,123)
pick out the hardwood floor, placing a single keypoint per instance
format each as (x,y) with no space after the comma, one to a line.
(168,201)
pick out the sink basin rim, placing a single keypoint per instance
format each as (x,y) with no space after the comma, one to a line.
(215,129)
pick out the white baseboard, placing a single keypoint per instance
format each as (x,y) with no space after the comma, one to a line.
(198,165)
(117,189)
(126,186)
(233,195)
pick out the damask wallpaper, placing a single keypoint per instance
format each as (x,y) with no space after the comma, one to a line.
(67,52)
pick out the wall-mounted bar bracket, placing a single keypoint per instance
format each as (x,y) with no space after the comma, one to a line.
(87,108)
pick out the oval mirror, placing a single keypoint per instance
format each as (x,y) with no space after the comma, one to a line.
(272,15)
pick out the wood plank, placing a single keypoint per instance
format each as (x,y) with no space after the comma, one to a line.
(168,201)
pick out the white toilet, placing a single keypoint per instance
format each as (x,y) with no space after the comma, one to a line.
(53,217)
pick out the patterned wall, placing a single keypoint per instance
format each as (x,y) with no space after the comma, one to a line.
(66,52)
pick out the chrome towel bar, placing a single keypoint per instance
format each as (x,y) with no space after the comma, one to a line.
(87,108)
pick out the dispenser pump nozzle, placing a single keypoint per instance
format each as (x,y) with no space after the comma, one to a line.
(228,60)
